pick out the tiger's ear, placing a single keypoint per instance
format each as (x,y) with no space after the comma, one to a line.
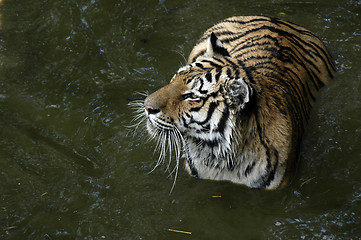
(215,47)
(239,93)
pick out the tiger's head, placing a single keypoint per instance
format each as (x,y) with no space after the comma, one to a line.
(201,103)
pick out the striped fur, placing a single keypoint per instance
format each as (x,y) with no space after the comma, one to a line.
(241,104)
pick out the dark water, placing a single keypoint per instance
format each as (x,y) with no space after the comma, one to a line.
(71,169)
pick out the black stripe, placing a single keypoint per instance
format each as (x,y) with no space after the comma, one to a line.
(201,86)
(218,74)
(202,142)
(318,80)
(248,72)
(268,156)
(267,63)
(212,107)
(230,164)
(157,124)
(279,105)
(240,35)
(265,19)
(249,168)
(222,122)
(212,63)
(305,89)
(291,25)
(269,48)
(272,170)
(209,77)
(254,39)
(184,122)
(328,58)
(260,63)
(205,129)
(218,32)
(194,171)
(199,65)
(229,73)
(301,94)
(218,59)
(236,73)
(196,109)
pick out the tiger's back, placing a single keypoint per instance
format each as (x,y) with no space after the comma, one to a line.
(278,67)
(271,47)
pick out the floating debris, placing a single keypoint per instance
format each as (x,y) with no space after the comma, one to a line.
(307,181)
(9,228)
(45,193)
(179,231)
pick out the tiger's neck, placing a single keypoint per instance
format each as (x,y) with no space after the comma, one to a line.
(235,160)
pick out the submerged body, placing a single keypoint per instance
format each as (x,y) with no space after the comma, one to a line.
(241,104)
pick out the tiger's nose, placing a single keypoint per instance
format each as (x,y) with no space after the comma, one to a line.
(150,109)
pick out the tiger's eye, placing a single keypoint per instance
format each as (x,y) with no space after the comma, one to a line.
(190,96)
(193,96)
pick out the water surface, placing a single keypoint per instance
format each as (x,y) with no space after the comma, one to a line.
(71,169)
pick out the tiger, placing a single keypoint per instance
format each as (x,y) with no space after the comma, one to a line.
(237,110)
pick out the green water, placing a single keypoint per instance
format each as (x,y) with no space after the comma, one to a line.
(71,169)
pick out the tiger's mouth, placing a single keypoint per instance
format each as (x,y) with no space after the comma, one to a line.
(156,123)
